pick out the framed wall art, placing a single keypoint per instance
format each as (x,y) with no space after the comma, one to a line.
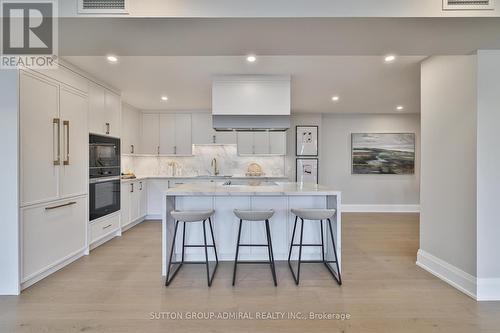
(383,153)
(306,140)
(306,170)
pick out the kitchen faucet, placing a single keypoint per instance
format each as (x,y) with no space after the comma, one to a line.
(174,165)
(214,165)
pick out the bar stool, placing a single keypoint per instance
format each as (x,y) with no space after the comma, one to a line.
(255,216)
(192,217)
(314,215)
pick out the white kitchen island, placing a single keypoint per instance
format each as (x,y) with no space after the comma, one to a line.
(281,197)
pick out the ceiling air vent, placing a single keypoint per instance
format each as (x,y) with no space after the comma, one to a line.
(468,4)
(102,6)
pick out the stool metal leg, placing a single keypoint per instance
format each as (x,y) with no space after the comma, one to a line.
(183,240)
(270,251)
(213,242)
(322,241)
(296,278)
(168,278)
(209,278)
(339,278)
(293,239)
(237,252)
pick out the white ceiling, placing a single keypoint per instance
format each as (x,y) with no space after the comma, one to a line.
(365,84)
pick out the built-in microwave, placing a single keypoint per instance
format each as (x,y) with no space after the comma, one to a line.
(104,175)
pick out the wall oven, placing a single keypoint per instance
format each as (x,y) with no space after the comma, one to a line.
(104,175)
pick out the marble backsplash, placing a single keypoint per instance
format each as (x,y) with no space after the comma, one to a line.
(228,163)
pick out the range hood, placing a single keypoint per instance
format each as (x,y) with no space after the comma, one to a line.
(251,102)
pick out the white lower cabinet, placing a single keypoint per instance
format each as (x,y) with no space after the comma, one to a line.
(51,234)
(133,202)
(103,227)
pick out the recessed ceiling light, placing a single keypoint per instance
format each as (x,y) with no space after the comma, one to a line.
(400,108)
(112,58)
(390,58)
(335,98)
(251,58)
(164,98)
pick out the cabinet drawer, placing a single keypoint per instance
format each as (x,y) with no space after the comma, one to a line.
(103,227)
(51,233)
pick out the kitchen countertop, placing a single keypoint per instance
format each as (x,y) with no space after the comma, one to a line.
(281,188)
(207,177)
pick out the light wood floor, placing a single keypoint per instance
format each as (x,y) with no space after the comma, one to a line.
(118,286)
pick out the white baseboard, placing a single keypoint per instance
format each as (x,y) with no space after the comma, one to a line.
(380,208)
(34,278)
(450,274)
(154,217)
(488,289)
(133,224)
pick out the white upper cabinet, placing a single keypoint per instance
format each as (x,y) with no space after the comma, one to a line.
(277,143)
(113,108)
(104,111)
(150,139)
(261,143)
(54,140)
(203,132)
(183,138)
(166,134)
(131,130)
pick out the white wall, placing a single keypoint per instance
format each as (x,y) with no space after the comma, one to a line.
(488,175)
(335,165)
(363,192)
(448,165)
(9,231)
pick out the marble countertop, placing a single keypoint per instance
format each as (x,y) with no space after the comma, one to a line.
(218,189)
(205,177)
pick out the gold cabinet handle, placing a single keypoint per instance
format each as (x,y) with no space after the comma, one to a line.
(140,189)
(132,188)
(132,149)
(60,206)
(107,128)
(66,125)
(57,122)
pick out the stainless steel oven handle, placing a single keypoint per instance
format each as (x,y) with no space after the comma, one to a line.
(104,179)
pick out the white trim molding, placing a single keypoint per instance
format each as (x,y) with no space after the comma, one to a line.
(381,208)
(488,289)
(450,274)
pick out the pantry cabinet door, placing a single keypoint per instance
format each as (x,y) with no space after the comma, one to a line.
(40,130)
(74,143)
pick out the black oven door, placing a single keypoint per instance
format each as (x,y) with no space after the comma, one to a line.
(104,152)
(104,196)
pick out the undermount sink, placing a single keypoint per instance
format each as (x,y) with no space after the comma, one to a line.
(249,183)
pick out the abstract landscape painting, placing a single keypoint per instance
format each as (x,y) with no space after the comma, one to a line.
(383,153)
